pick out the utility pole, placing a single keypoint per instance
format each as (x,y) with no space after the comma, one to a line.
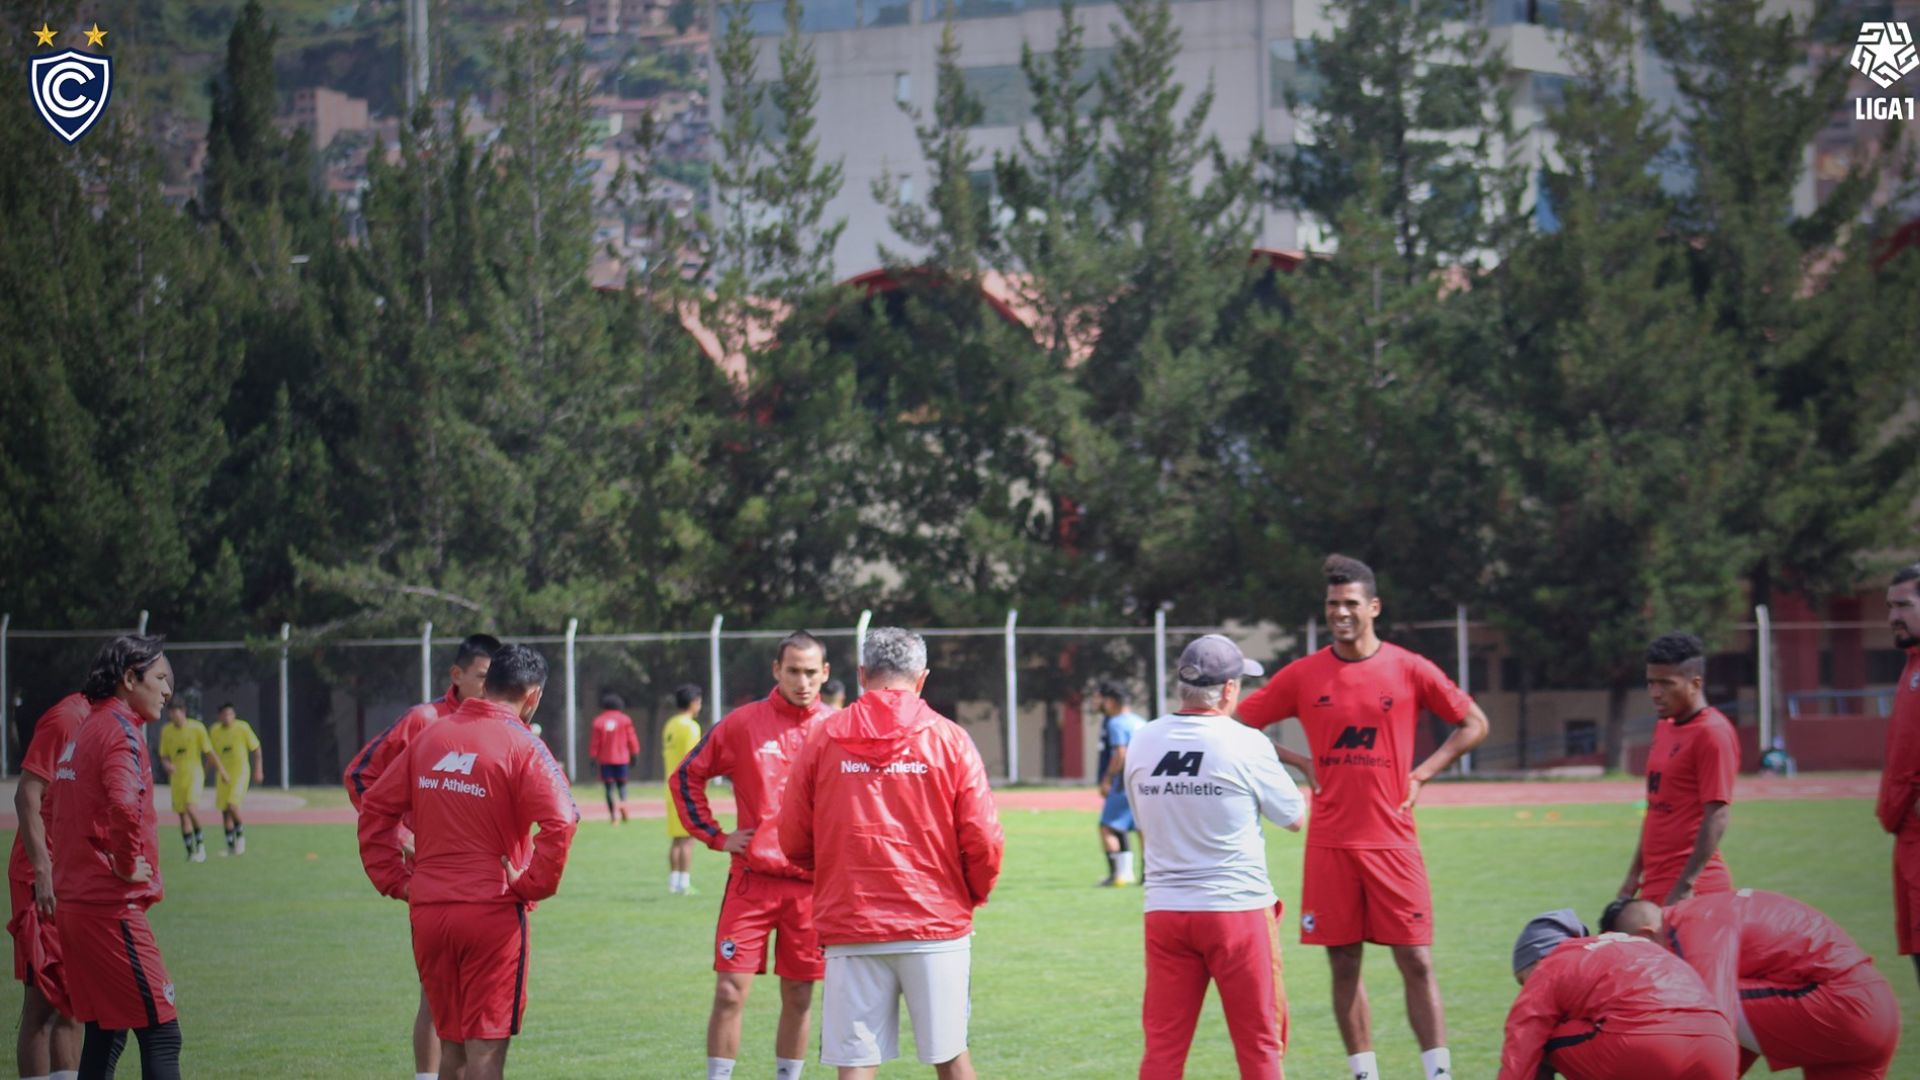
(418,61)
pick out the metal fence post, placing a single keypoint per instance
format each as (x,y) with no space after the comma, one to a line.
(6,702)
(1462,670)
(860,648)
(1160,659)
(286,719)
(142,629)
(1763,622)
(1013,700)
(426,660)
(1313,635)
(573,701)
(713,660)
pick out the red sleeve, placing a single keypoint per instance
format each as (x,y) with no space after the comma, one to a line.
(1530,1022)
(542,798)
(1717,763)
(981,840)
(796,806)
(44,751)
(596,742)
(381,809)
(688,785)
(633,736)
(123,783)
(1438,694)
(372,761)
(1711,947)
(1273,702)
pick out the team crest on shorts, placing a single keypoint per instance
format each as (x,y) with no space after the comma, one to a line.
(71,88)
(168,991)
(1307,922)
(727,949)
(1914,683)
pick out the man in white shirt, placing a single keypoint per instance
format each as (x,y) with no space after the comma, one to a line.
(1200,782)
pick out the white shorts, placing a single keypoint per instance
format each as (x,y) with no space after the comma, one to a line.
(860,1012)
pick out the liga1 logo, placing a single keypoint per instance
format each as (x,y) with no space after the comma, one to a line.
(71,88)
(1884,53)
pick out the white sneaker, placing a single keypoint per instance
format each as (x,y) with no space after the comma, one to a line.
(240,845)
(200,854)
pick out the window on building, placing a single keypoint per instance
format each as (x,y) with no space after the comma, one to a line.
(903,87)
(1583,737)
(769,17)
(1544,217)
(885,12)
(1290,68)
(1549,91)
(1005,98)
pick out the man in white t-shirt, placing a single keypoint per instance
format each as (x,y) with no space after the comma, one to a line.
(1200,782)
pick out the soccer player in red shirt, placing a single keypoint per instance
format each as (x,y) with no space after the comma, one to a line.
(1690,771)
(1796,986)
(1900,782)
(756,745)
(473,785)
(613,745)
(1363,880)
(106,864)
(49,1035)
(1613,1007)
(465,680)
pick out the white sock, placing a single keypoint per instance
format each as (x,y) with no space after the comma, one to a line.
(1437,1062)
(65,1074)
(1362,1066)
(1123,864)
(426,1076)
(719,1068)
(42,1076)
(673,881)
(787,1068)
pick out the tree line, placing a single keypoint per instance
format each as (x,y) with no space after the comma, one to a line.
(1676,394)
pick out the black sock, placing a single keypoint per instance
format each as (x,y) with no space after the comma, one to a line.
(239,830)
(609,788)
(623,791)
(230,835)
(160,1051)
(1916,963)
(100,1052)
(198,841)
(187,839)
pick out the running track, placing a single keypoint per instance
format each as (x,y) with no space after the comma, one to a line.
(274,808)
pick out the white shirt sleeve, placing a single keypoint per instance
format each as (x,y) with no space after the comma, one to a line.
(1280,799)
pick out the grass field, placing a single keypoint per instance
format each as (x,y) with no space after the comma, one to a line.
(289,966)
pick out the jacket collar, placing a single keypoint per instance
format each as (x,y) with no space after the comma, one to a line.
(482,709)
(787,710)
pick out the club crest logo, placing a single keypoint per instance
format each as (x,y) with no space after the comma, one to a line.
(71,88)
(1885,52)
(727,949)
(1307,922)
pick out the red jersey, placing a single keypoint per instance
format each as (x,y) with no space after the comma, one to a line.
(890,809)
(614,742)
(1360,717)
(103,815)
(755,746)
(1757,936)
(372,761)
(50,735)
(474,784)
(1900,781)
(1692,763)
(1622,984)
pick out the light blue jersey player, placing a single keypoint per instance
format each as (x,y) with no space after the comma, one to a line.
(1116,816)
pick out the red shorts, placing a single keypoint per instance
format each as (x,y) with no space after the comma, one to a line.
(1239,951)
(1350,895)
(1611,1055)
(472,960)
(115,977)
(754,907)
(1844,1030)
(36,948)
(1906,892)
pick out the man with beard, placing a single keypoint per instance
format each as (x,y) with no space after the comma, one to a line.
(1900,782)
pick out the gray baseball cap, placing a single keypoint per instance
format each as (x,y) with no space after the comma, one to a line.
(1544,933)
(1212,660)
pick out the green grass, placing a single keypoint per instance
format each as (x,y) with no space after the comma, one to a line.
(289,966)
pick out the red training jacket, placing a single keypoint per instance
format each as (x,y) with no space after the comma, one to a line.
(372,761)
(1900,780)
(614,741)
(1614,983)
(103,815)
(50,735)
(474,784)
(889,807)
(1752,937)
(755,745)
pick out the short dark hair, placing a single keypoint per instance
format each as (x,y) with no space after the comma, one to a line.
(1909,572)
(613,701)
(832,686)
(516,669)
(1343,570)
(686,694)
(473,648)
(1679,650)
(801,640)
(1112,688)
(128,652)
(225,705)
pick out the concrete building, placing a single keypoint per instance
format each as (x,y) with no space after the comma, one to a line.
(324,113)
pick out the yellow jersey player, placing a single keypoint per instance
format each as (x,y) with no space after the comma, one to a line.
(183,747)
(233,742)
(678,737)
